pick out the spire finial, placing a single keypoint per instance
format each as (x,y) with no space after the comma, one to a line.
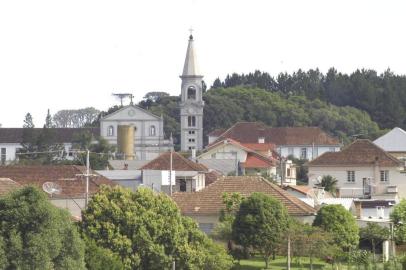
(191,33)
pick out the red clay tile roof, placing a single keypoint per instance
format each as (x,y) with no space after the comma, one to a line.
(66,176)
(216,132)
(359,153)
(209,200)
(179,163)
(260,146)
(62,135)
(249,132)
(257,161)
(211,177)
(301,189)
(7,185)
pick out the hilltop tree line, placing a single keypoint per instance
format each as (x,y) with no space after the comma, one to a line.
(383,96)
(225,106)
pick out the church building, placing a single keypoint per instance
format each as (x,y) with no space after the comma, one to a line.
(191,104)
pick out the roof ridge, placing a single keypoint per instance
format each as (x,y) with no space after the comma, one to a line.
(286,195)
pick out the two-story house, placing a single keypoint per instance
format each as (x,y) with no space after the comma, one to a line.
(186,175)
(246,160)
(363,170)
(299,142)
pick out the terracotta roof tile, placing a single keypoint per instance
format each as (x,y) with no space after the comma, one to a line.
(359,153)
(216,132)
(209,200)
(66,176)
(179,163)
(7,185)
(249,132)
(256,161)
(302,189)
(211,177)
(62,135)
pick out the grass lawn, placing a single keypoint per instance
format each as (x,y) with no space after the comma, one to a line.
(280,263)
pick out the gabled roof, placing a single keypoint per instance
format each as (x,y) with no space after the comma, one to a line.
(249,132)
(62,135)
(130,106)
(254,159)
(208,201)
(216,132)
(179,163)
(7,185)
(359,153)
(301,189)
(393,141)
(66,176)
(211,177)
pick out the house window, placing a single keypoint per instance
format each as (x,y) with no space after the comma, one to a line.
(290,151)
(261,140)
(213,155)
(303,153)
(288,172)
(191,92)
(351,176)
(384,176)
(3,156)
(332,149)
(182,186)
(191,132)
(316,152)
(152,131)
(191,140)
(110,131)
(191,120)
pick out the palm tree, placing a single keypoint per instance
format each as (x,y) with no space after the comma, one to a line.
(329,183)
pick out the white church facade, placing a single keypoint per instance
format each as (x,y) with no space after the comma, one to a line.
(149,139)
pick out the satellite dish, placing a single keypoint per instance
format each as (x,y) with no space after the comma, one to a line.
(51,188)
(317,180)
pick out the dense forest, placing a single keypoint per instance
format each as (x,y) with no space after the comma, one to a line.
(382,96)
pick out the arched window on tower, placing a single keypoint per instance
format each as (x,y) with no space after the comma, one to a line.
(152,131)
(110,131)
(191,92)
(191,121)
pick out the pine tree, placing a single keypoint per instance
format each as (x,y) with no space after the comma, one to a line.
(28,121)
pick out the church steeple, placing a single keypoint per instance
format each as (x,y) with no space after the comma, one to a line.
(191,105)
(190,68)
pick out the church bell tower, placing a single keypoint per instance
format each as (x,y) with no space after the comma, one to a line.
(191,104)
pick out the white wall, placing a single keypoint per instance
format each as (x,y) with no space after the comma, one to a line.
(348,189)
(312,152)
(225,151)
(11,150)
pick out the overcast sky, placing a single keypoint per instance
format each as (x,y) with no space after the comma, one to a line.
(74,54)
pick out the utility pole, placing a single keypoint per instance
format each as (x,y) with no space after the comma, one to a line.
(87,178)
(170,172)
(288,266)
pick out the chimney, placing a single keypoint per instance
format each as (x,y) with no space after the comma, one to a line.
(194,155)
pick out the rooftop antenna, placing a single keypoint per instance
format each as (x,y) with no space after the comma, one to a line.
(121,96)
(51,188)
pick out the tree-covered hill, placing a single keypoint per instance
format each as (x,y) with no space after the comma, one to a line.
(382,96)
(225,106)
